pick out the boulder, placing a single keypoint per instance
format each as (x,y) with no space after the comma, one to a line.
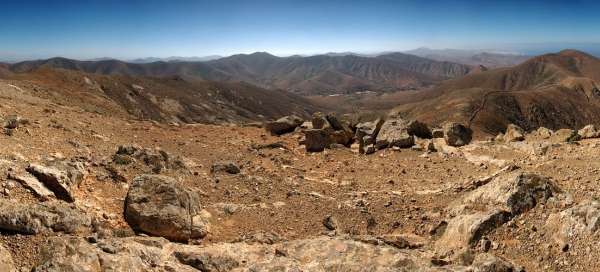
(565,135)
(159,206)
(457,134)
(225,167)
(316,140)
(45,217)
(366,135)
(490,205)
(514,133)
(544,133)
(580,220)
(283,125)
(319,121)
(588,132)
(33,184)
(62,178)
(157,159)
(401,133)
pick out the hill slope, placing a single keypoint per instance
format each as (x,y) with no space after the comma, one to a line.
(554,90)
(171,99)
(320,74)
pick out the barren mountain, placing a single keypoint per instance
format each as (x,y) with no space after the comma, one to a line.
(303,75)
(167,99)
(471,57)
(554,90)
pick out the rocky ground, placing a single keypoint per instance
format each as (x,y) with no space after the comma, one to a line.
(82,191)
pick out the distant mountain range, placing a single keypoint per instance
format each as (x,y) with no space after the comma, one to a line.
(175,59)
(312,75)
(488,59)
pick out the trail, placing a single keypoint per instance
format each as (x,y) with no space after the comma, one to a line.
(481,106)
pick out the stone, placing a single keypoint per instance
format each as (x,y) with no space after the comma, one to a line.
(157,159)
(565,135)
(489,263)
(330,222)
(283,125)
(579,220)
(437,133)
(366,135)
(544,133)
(159,206)
(62,178)
(316,140)
(34,185)
(589,132)
(514,133)
(492,204)
(318,254)
(457,134)
(394,133)
(6,261)
(45,217)
(14,121)
(319,121)
(225,167)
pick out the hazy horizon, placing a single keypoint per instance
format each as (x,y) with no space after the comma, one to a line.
(129,30)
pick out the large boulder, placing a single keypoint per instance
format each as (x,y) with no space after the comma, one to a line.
(62,178)
(159,206)
(588,132)
(366,135)
(401,133)
(514,133)
(283,125)
(457,134)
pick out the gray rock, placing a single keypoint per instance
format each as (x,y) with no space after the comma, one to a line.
(159,206)
(580,220)
(457,134)
(225,167)
(41,218)
(62,178)
(158,160)
(34,185)
(283,125)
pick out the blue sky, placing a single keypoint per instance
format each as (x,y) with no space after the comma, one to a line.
(130,29)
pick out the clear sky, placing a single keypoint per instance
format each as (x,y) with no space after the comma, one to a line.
(131,29)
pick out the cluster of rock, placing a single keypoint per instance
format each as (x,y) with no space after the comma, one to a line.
(327,131)
(158,160)
(515,133)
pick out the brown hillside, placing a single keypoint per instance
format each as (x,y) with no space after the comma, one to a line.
(555,91)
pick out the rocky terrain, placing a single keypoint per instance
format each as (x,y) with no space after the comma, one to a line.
(91,190)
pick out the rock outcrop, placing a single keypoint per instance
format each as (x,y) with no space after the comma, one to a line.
(588,132)
(45,217)
(159,206)
(62,178)
(514,133)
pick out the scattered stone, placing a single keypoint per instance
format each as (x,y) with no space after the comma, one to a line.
(159,206)
(158,160)
(457,134)
(283,125)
